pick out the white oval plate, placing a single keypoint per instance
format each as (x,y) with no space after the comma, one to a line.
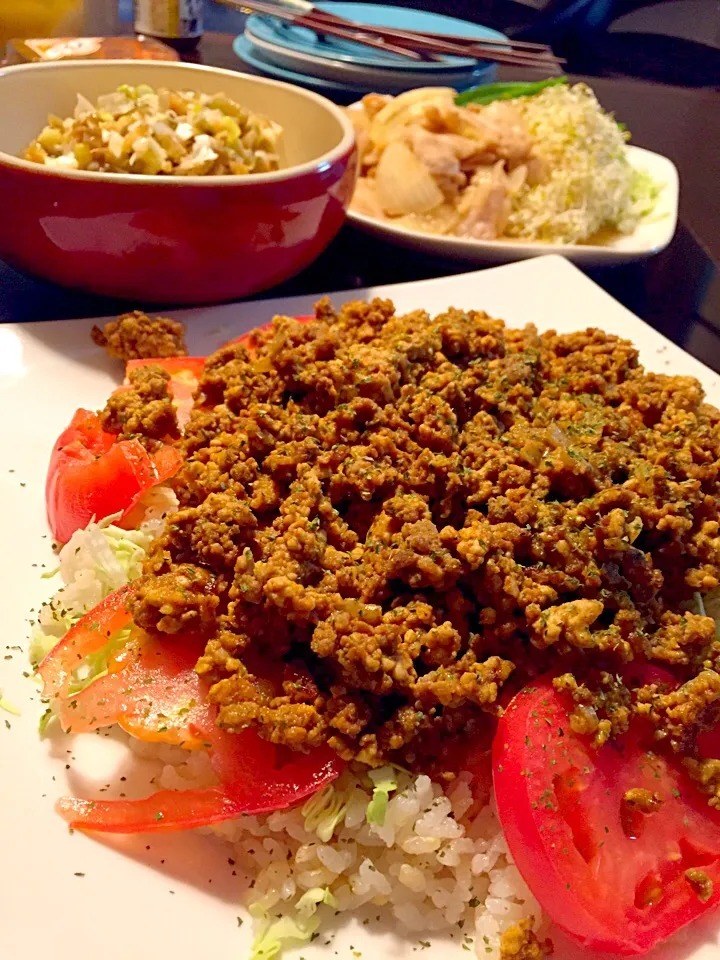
(651,236)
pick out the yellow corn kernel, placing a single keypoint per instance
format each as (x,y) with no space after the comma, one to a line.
(50,139)
(83,155)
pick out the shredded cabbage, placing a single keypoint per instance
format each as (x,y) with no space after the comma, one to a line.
(589,184)
(644,193)
(311,900)
(270,941)
(324,811)
(45,720)
(96,561)
(42,641)
(384,783)
(7,706)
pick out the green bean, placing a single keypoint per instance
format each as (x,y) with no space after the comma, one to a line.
(505,91)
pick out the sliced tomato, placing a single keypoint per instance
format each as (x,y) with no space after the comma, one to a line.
(258,782)
(164,811)
(151,689)
(184,375)
(255,777)
(93,475)
(615,879)
(89,635)
(181,367)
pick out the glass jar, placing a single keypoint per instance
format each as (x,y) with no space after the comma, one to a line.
(178,23)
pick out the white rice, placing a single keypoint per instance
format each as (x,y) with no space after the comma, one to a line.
(435,865)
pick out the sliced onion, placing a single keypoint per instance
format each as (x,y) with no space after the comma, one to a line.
(404,184)
(404,109)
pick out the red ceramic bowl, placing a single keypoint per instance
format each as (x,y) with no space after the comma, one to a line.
(171,239)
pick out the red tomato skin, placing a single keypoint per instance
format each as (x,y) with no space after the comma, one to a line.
(185,373)
(164,812)
(251,782)
(593,897)
(91,475)
(151,690)
(253,787)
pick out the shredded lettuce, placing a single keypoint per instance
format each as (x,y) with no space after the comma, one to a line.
(95,665)
(45,720)
(311,900)
(587,182)
(115,555)
(324,811)
(41,643)
(93,563)
(384,783)
(644,192)
(270,941)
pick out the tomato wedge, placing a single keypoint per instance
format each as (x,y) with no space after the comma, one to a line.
(618,872)
(93,475)
(184,375)
(181,367)
(164,811)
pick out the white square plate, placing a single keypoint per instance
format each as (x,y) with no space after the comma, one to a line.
(70,897)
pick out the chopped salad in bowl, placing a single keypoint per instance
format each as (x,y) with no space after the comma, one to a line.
(159,132)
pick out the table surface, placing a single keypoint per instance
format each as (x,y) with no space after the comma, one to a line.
(678,292)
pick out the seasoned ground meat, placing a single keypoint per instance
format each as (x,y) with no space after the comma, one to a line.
(638,798)
(136,336)
(418,512)
(701,884)
(144,409)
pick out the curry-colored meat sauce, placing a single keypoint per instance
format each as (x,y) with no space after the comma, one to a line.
(389,523)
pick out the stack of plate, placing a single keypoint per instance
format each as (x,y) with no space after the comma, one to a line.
(335,66)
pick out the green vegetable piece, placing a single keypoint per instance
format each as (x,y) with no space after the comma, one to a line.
(505,91)
(385,782)
(8,707)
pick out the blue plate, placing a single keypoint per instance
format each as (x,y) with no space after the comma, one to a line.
(248,54)
(305,41)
